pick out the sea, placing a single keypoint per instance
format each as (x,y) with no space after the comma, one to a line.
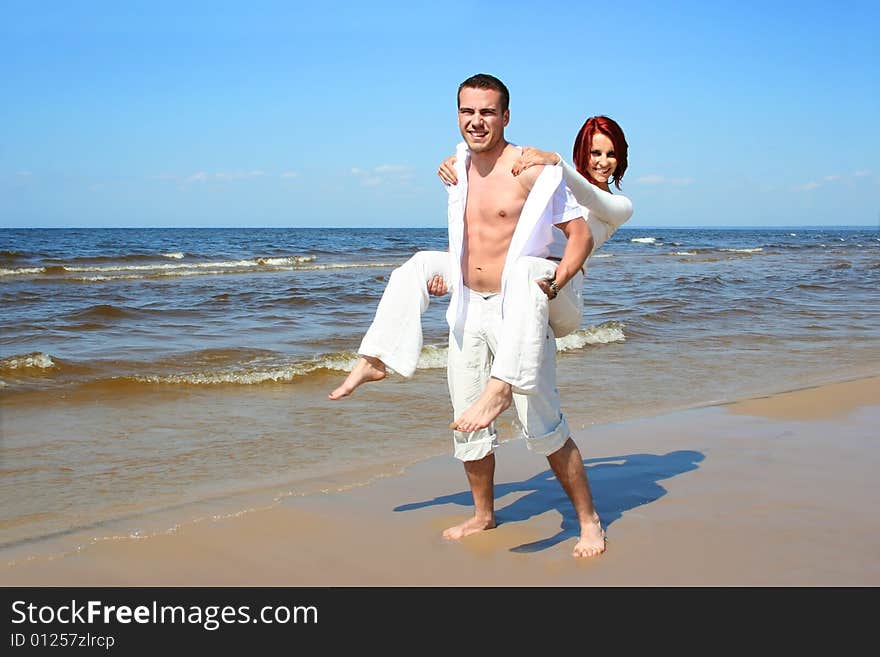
(153,377)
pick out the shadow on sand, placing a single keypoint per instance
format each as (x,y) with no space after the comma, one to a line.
(618,483)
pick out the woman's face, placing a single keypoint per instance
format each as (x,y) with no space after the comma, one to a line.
(603,161)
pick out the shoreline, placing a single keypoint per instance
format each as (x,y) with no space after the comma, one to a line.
(730,493)
(239,497)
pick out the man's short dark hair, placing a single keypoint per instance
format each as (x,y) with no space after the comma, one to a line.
(486,81)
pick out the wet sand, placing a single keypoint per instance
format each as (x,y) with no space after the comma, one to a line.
(777,491)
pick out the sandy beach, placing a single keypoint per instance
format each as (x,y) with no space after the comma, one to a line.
(776,491)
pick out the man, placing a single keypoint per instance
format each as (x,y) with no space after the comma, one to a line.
(496,221)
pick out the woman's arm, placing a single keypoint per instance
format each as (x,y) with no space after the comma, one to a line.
(610,208)
(607,211)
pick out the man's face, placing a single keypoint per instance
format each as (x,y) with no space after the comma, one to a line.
(480,118)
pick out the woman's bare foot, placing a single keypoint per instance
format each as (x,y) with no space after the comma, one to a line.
(494,401)
(592,540)
(365,370)
(468,527)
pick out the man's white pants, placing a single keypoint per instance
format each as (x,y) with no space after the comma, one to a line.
(527,313)
(470,365)
(395,336)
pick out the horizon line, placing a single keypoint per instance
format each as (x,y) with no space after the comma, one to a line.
(648,227)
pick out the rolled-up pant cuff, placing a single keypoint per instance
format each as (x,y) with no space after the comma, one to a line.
(548,443)
(475,449)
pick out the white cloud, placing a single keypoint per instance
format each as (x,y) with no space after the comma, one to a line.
(290,174)
(391,168)
(199,176)
(206,176)
(394,174)
(657,179)
(20,180)
(833,178)
(238,175)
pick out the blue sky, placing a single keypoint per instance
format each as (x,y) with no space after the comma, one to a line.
(338,113)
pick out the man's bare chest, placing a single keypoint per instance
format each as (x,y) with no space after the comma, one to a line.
(494,202)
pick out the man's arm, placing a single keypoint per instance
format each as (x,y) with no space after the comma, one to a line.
(578,245)
(568,216)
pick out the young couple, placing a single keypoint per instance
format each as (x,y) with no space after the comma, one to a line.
(520,232)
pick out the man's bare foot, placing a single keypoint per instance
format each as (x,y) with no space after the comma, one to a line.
(592,540)
(365,370)
(468,527)
(494,400)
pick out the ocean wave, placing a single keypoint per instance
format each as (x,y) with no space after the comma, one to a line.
(119,258)
(644,240)
(22,271)
(164,270)
(266,372)
(42,369)
(11,253)
(282,261)
(252,375)
(351,265)
(160,267)
(604,333)
(700,281)
(11,256)
(691,251)
(433,358)
(103,311)
(711,254)
(36,360)
(252,367)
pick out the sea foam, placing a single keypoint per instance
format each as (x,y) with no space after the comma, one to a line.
(604,333)
(36,359)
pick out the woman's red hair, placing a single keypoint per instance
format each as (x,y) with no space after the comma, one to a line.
(581,150)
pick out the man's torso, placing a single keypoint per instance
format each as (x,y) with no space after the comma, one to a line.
(494,203)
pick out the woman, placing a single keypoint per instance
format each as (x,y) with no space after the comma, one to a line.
(395,337)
